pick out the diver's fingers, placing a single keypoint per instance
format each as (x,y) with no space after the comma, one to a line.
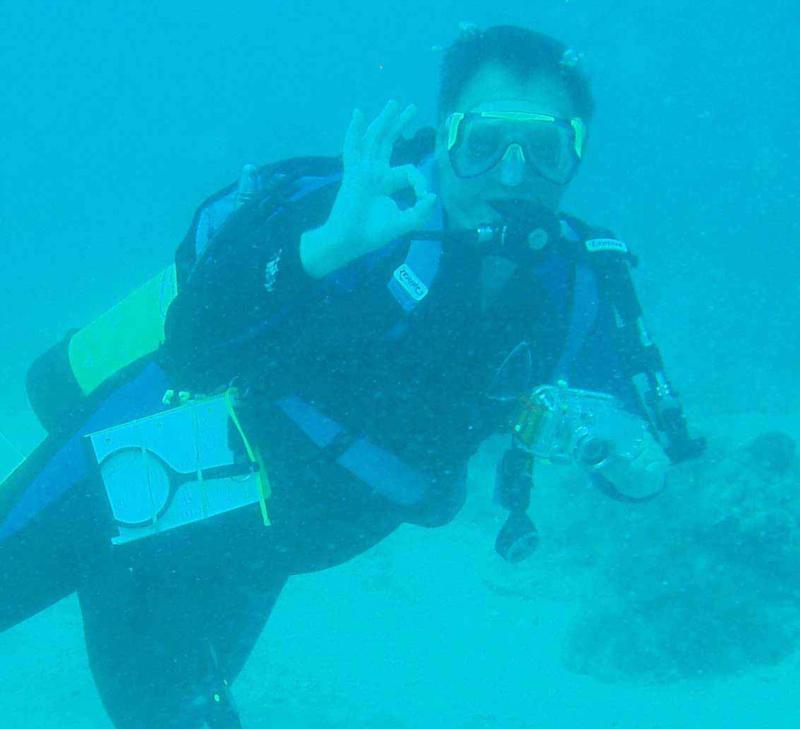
(399,178)
(418,182)
(376,131)
(397,128)
(415,217)
(352,139)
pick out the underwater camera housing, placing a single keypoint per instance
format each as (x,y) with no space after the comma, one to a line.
(593,430)
(613,446)
(563,425)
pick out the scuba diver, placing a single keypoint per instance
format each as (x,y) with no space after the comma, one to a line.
(334,341)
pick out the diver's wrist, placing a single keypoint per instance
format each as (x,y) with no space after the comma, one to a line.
(320,252)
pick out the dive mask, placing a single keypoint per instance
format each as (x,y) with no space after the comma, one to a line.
(478,140)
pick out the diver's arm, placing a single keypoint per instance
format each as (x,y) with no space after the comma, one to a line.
(628,454)
(621,358)
(271,272)
(249,287)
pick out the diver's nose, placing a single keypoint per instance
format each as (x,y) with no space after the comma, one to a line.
(512,166)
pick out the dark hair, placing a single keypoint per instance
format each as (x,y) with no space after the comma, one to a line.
(523,52)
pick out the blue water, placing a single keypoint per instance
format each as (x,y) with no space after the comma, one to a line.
(117,119)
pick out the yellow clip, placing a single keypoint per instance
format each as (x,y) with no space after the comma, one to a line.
(264,486)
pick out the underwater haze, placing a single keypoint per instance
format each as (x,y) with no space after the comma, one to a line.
(117,119)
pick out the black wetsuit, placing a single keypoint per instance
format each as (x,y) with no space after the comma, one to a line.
(168,618)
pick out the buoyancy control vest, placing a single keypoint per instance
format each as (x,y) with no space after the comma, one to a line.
(602,262)
(61,382)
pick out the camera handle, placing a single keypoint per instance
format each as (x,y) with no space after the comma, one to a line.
(518,538)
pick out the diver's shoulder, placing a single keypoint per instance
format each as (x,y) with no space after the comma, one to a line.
(587,239)
(577,228)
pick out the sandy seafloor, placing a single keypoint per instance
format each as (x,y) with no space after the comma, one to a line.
(429,629)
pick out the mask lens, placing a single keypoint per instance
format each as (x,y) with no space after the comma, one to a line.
(481,145)
(549,146)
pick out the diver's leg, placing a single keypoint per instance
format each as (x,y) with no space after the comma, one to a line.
(166,638)
(238,614)
(43,562)
(147,647)
(236,619)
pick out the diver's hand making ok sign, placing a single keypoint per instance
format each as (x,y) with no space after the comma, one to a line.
(364,216)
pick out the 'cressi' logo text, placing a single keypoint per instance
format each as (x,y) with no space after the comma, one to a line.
(410,282)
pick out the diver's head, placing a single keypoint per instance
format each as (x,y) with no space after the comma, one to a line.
(513,112)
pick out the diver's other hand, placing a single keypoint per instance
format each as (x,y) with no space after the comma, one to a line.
(364,216)
(631,466)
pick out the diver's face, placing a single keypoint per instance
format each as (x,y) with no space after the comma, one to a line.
(494,88)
